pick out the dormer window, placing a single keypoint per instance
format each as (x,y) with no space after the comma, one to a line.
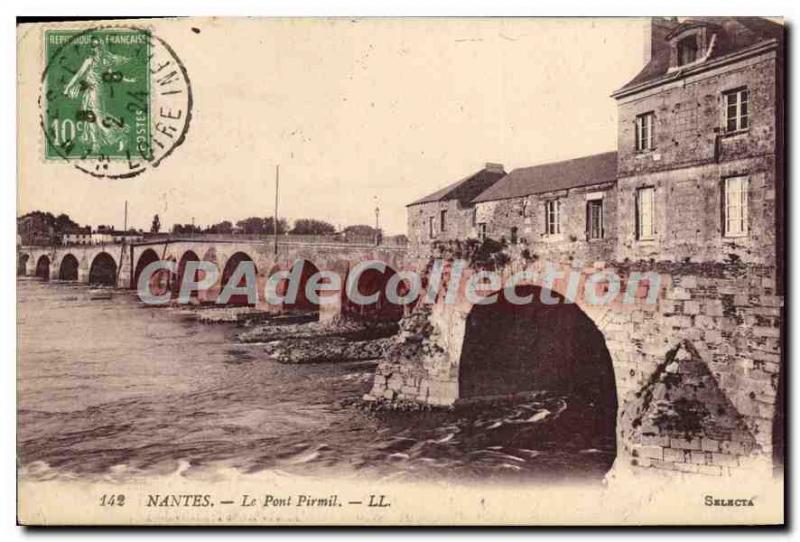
(691,44)
(687,50)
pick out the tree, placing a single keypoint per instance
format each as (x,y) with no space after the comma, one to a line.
(269,222)
(223,227)
(310,226)
(155,227)
(251,225)
(258,225)
(360,230)
(63,224)
(185,228)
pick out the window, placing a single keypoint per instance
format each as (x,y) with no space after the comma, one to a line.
(552,213)
(594,219)
(687,50)
(431,231)
(644,131)
(735,206)
(514,235)
(443,220)
(482,231)
(645,209)
(737,115)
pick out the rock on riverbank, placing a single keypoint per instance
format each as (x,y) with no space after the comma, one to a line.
(329,350)
(323,342)
(347,329)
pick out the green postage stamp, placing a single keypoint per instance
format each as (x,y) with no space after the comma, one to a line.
(98,89)
(115,99)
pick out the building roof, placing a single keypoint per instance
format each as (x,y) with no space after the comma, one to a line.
(584,171)
(733,34)
(468,187)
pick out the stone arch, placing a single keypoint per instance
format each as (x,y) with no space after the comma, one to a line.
(188,256)
(509,348)
(159,282)
(22,264)
(230,266)
(103,270)
(370,282)
(43,267)
(514,349)
(68,270)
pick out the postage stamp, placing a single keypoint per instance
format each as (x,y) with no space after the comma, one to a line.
(115,100)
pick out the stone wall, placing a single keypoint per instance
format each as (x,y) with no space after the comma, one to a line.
(693,155)
(459,223)
(527,214)
(696,372)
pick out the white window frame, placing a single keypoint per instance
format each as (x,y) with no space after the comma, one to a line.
(482,231)
(552,217)
(645,213)
(645,131)
(735,214)
(738,102)
(431,227)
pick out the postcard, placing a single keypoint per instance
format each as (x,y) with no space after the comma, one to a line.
(401,271)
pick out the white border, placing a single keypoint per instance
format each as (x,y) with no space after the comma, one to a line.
(10,9)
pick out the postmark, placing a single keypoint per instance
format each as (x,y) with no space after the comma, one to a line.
(115,100)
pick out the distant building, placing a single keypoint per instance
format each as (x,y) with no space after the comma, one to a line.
(449,213)
(78,236)
(103,235)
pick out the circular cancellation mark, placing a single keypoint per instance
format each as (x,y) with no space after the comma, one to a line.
(115,100)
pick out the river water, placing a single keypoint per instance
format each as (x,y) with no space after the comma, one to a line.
(113,385)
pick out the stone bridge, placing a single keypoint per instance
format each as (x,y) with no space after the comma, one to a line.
(684,374)
(119,265)
(687,377)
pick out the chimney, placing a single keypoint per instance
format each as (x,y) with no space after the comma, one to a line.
(494,167)
(655,33)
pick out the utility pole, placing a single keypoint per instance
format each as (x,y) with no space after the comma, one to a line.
(192,227)
(275,216)
(125,220)
(377,222)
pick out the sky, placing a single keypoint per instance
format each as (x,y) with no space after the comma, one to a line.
(358,113)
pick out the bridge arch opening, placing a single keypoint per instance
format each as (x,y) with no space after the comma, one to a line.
(68,270)
(22,264)
(159,281)
(103,270)
(371,282)
(239,300)
(188,256)
(516,350)
(43,268)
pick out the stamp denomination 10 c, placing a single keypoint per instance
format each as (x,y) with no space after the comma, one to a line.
(115,100)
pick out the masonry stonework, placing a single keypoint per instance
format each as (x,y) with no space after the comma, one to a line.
(698,373)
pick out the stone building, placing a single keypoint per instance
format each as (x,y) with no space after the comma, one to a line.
(700,143)
(562,210)
(449,213)
(694,196)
